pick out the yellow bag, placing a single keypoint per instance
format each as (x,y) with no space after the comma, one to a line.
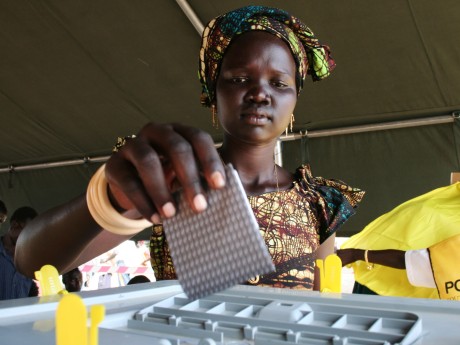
(416,224)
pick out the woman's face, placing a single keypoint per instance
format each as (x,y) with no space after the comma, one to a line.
(256,90)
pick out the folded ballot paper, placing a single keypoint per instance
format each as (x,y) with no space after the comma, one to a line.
(220,247)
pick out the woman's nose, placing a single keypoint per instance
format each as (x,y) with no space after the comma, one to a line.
(258,93)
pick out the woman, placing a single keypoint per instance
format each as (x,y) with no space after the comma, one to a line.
(252,65)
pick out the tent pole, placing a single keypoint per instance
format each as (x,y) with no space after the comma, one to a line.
(84,160)
(288,137)
(279,153)
(191,15)
(436,120)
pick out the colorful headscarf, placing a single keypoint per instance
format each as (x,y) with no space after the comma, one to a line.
(310,56)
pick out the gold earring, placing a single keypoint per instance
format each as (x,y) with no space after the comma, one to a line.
(291,125)
(215,121)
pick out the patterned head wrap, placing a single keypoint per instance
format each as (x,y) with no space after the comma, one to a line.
(310,56)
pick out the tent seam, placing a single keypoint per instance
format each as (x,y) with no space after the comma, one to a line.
(419,32)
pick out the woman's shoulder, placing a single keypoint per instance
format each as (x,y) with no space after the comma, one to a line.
(306,182)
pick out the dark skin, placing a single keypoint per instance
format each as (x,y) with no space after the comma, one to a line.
(255,97)
(386,257)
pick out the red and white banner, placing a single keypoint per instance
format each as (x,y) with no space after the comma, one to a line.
(113,269)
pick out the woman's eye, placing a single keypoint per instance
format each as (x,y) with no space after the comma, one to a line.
(279,84)
(239,79)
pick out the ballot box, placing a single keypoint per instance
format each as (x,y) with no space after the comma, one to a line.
(159,313)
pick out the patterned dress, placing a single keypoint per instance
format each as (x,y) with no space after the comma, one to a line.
(293,223)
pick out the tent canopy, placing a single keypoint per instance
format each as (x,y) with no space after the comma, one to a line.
(75,75)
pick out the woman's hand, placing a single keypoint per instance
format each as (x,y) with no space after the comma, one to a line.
(350,255)
(145,172)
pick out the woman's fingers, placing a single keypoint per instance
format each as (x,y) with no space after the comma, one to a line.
(205,162)
(126,185)
(145,170)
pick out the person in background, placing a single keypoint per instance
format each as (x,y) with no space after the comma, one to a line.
(411,251)
(138,280)
(252,65)
(12,283)
(3,212)
(73,280)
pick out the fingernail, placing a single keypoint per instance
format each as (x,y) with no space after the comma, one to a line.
(200,202)
(155,219)
(169,210)
(218,179)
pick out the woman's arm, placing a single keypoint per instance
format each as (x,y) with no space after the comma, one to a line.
(387,257)
(64,237)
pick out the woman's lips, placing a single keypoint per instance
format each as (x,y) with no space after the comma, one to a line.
(255,118)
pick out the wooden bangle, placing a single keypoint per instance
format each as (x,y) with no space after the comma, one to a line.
(104,213)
